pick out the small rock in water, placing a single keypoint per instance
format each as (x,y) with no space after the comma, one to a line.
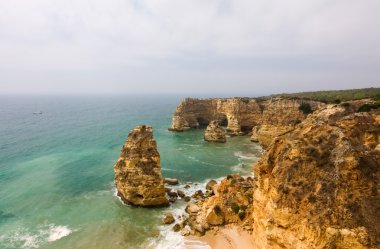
(185,232)
(187,198)
(198,194)
(172,199)
(173,194)
(181,193)
(171,181)
(176,227)
(169,218)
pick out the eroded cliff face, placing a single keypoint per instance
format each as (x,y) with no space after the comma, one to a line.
(238,114)
(138,175)
(318,185)
(265,119)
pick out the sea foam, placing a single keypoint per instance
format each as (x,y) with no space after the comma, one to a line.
(27,239)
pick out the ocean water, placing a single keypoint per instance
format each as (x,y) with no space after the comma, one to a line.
(56,170)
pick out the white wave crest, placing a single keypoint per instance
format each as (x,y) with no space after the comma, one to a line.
(246,156)
(27,239)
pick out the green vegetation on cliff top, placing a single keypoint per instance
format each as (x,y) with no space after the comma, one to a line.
(335,96)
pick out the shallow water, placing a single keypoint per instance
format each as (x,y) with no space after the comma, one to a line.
(56,170)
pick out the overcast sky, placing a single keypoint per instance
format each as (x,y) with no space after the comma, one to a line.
(244,47)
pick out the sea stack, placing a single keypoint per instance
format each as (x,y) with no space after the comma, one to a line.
(138,176)
(215,133)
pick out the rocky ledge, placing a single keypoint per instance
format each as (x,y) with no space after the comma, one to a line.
(138,175)
(215,133)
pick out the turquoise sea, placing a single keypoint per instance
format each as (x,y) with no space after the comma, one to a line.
(56,170)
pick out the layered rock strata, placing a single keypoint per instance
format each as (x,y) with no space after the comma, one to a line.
(138,175)
(215,133)
(267,118)
(318,186)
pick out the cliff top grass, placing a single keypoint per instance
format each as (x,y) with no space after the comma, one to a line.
(331,97)
(335,96)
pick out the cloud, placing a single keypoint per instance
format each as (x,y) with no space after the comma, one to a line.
(170,43)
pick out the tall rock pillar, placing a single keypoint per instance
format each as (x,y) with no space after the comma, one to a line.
(138,175)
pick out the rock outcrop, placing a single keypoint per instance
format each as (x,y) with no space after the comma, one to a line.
(138,175)
(318,185)
(215,133)
(228,203)
(266,118)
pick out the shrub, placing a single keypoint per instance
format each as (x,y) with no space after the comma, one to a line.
(235,207)
(241,214)
(217,210)
(369,107)
(305,108)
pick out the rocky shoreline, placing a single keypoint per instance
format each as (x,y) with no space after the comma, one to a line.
(316,185)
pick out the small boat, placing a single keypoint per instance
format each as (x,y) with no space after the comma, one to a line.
(40,112)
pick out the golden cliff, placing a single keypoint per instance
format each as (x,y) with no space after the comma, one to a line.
(264,118)
(138,175)
(316,186)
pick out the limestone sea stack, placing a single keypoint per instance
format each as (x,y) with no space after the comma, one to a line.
(138,175)
(215,133)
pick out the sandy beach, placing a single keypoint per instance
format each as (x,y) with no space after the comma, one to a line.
(231,237)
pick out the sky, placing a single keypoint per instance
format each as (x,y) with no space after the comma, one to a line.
(236,47)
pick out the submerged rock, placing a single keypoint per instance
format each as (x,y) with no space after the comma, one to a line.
(138,175)
(215,133)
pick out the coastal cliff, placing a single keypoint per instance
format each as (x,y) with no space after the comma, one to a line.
(265,119)
(317,186)
(138,175)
